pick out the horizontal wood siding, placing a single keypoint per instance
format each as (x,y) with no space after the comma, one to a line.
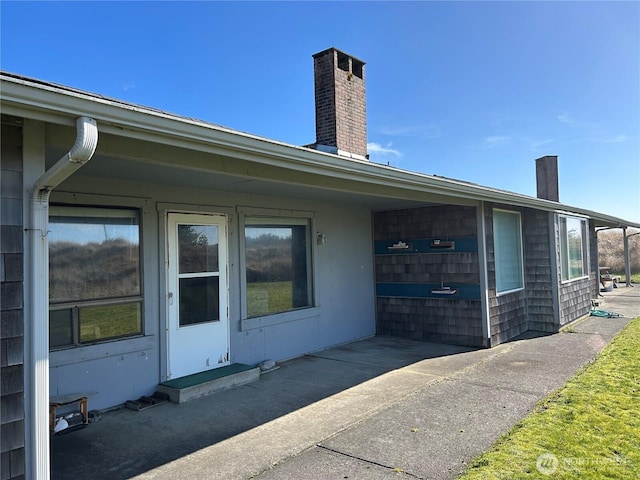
(447,320)
(12,309)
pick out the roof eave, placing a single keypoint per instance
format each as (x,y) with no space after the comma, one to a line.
(57,104)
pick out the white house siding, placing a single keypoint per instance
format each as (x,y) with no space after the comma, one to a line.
(343,280)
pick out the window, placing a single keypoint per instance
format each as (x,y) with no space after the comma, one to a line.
(278,265)
(507,235)
(94,275)
(573,248)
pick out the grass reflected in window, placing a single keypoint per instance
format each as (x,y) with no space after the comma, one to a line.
(109,321)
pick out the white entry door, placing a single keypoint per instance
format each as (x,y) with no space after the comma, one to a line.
(198,333)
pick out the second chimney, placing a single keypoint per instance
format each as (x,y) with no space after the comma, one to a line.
(341,122)
(547,177)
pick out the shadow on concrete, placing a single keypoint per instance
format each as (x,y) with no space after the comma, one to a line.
(125,443)
(362,375)
(528,335)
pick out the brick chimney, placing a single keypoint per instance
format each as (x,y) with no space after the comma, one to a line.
(547,177)
(341,122)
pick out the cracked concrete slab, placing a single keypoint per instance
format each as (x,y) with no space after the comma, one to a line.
(319,462)
(433,433)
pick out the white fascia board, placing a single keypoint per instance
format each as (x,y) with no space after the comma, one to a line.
(62,105)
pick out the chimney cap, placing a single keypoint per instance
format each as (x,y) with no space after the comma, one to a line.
(334,49)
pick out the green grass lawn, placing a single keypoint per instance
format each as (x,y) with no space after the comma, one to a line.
(269,297)
(109,321)
(635,278)
(589,429)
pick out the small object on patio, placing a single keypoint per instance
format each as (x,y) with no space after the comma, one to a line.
(267,366)
(81,399)
(607,277)
(94,416)
(61,424)
(69,423)
(145,402)
(605,314)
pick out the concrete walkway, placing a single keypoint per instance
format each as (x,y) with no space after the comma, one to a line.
(375,409)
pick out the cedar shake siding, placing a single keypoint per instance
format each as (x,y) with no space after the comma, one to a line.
(507,312)
(538,271)
(574,295)
(11,306)
(575,300)
(408,268)
(405,276)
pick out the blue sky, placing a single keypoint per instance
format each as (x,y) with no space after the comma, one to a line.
(469,90)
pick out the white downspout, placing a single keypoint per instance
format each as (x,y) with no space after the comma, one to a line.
(484,279)
(81,152)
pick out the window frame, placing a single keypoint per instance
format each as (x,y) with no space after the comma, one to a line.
(565,248)
(282,222)
(76,305)
(267,217)
(498,258)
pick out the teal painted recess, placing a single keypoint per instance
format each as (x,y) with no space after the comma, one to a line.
(207,376)
(426,245)
(423,290)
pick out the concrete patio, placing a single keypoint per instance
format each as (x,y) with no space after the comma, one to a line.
(369,410)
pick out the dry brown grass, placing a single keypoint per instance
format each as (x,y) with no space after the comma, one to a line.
(611,250)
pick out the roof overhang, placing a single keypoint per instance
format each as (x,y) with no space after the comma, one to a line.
(271,161)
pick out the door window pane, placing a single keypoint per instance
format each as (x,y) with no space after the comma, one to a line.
(198,248)
(199,300)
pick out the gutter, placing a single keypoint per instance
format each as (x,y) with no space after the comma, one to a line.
(81,152)
(144,123)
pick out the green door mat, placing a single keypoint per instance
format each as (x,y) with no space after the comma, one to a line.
(207,376)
